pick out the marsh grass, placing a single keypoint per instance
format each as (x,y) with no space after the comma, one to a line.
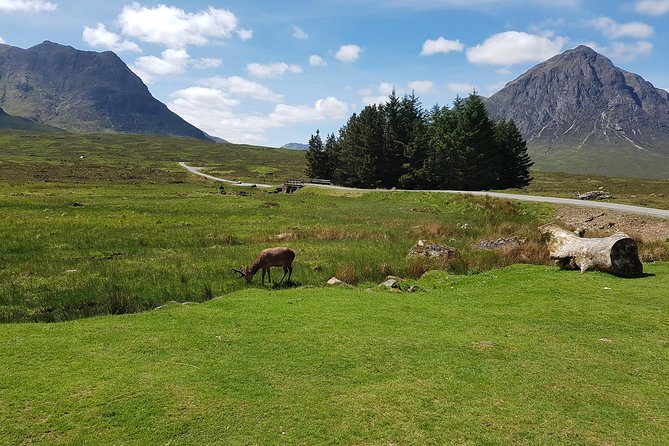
(145,232)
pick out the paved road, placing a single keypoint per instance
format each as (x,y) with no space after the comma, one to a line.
(659,213)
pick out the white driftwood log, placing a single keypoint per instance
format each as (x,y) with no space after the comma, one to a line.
(616,254)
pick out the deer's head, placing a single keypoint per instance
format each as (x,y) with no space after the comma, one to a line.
(244,273)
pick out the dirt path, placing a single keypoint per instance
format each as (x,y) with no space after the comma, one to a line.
(618,208)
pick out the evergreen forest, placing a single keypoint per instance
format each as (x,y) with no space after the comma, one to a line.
(400,144)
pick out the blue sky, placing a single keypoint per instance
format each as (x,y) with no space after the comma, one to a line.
(272,72)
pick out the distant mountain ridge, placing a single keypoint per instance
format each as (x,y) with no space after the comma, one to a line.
(82,91)
(577,109)
(295,146)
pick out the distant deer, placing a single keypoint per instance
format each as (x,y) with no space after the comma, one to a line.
(267,258)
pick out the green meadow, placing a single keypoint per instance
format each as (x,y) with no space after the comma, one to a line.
(522,355)
(122,322)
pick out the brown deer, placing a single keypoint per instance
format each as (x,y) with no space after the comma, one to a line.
(267,258)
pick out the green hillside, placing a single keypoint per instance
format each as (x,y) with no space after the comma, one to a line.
(523,355)
(9,122)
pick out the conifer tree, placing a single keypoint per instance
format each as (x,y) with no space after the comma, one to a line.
(515,162)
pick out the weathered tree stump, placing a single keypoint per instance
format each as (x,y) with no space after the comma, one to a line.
(616,254)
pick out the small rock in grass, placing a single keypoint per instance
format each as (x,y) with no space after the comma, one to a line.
(335,281)
(413,288)
(606,340)
(390,283)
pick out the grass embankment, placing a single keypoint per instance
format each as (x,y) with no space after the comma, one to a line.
(523,355)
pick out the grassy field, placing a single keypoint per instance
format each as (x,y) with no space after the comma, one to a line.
(525,355)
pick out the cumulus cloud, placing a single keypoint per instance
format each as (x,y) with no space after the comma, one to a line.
(27,6)
(421,87)
(299,33)
(316,61)
(460,88)
(100,37)
(652,7)
(245,34)
(441,45)
(176,28)
(348,53)
(513,47)
(170,62)
(272,70)
(206,62)
(213,111)
(238,86)
(627,52)
(379,94)
(613,30)
(2,40)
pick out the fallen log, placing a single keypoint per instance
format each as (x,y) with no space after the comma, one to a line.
(616,254)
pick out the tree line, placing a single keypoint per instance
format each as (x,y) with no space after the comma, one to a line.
(400,144)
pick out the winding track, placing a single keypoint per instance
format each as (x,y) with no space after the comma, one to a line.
(658,213)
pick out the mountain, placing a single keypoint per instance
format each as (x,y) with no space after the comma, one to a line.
(82,91)
(216,139)
(580,113)
(16,123)
(295,146)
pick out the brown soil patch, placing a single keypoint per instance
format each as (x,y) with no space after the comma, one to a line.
(600,222)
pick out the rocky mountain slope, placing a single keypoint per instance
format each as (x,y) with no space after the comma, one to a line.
(82,91)
(577,110)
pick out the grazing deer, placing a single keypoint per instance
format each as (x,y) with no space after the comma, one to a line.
(267,258)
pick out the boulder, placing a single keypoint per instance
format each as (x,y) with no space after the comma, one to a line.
(428,248)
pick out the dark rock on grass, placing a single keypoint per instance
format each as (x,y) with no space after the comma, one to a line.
(428,248)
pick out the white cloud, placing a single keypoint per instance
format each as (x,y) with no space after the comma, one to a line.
(170,62)
(421,87)
(328,108)
(176,28)
(379,95)
(206,62)
(477,5)
(2,40)
(378,100)
(103,38)
(272,70)
(299,33)
(213,111)
(316,61)
(626,52)
(238,86)
(504,71)
(27,6)
(245,34)
(513,47)
(613,30)
(348,53)
(460,88)
(386,88)
(441,45)
(652,7)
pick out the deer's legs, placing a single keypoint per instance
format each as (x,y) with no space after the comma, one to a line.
(269,276)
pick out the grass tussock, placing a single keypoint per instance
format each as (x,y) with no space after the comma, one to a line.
(653,251)
(347,274)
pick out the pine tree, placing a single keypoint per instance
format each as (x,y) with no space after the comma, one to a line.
(317,158)
(515,162)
